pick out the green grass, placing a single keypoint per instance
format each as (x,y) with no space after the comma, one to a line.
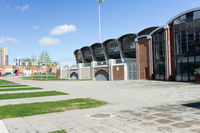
(30,94)
(42,77)
(22,110)
(5,82)
(59,131)
(16,85)
(20,89)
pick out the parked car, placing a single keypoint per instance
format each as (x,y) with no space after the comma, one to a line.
(19,74)
(8,74)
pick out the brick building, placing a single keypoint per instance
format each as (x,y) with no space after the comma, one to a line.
(169,52)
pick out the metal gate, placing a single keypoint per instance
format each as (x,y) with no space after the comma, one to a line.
(102,75)
(74,76)
(132,70)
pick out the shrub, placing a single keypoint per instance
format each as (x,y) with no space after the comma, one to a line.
(197,71)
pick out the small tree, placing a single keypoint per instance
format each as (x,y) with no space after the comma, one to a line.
(44,58)
(29,66)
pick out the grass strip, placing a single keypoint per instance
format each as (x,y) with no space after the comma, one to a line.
(52,79)
(30,94)
(5,81)
(22,110)
(17,85)
(59,131)
(20,89)
(42,79)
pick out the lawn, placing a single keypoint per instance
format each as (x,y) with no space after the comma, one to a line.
(13,85)
(20,89)
(42,77)
(30,94)
(22,110)
(59,131)
(5,82)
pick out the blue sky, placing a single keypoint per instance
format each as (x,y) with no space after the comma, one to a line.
(27,27)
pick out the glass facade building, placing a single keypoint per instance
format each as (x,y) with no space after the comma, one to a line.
(87,54)
(172,52)
(78,56)
(158,44)
(98,52)
(113,49)
(128,45)
(186,36)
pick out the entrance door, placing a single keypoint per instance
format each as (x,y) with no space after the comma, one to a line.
(102,75)
(74,76)
(132,70)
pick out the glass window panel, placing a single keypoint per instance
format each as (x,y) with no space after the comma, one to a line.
(178,70)
(87,54)
(112,47)
(191,44)
(177,43)
(184,69)
(183,26)
(127,43)
(177,21)
(189,25)
(191,67)
(98,51)
(183,19)
(159,55)
(189,16)
(197,15)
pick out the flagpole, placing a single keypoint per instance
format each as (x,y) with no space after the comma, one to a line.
(100,22)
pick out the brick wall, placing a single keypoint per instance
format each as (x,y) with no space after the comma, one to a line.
(96,69)
(118,72)
(72,71)
(143,58)
(58,74)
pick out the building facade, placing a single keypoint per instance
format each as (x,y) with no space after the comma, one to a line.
(4,56)
(24,62)
(169,52)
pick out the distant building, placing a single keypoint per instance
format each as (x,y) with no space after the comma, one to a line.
(24,62)
(3,56)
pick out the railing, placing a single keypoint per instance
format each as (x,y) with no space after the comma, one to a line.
(86,64)
(101,63)
(128,60)
(118,61)
(73,66)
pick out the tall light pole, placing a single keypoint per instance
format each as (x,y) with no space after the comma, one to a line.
(100,2)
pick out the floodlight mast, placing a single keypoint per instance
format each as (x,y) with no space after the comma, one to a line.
(100,2)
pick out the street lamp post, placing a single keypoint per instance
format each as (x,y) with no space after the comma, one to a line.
(100,2)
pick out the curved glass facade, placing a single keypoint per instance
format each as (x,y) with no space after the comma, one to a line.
(186,34)
(78,56)
(87,55)
(112,49)
(98,52)
(158,40)
(146,31)
(128,45)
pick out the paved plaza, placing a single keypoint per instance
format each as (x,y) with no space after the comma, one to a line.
(134,107)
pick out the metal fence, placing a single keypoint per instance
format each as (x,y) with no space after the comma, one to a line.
(101,63)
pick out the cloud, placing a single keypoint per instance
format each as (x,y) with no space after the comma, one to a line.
(36,27)
(63,29)
(23,8)
(4,39)
(47,41)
